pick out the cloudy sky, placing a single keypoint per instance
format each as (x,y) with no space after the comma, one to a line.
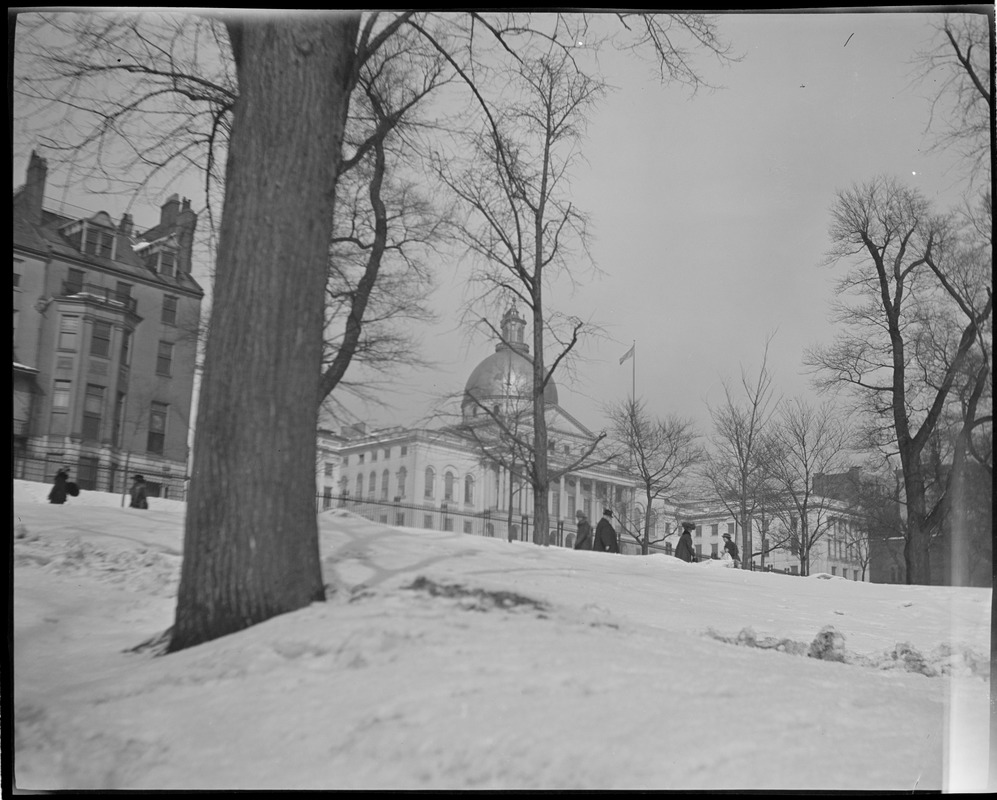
(710,212)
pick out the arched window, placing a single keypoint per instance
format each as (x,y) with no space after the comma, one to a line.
(402,476)
(430,481)
(448,482)
(469,490)
(359,487)
(372,485)
(384,485)
(342,485)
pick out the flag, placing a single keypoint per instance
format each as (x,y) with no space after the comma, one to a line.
(629,353)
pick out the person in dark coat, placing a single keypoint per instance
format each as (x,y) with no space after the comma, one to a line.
(59,488)
(685,549)
(138,493)
(731,548)
(583,539)
(605,534)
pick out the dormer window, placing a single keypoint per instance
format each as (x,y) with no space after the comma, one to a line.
(161,258)
(98,241)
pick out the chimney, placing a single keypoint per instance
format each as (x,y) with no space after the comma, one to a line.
(125,228)
(168,215)
(34,188)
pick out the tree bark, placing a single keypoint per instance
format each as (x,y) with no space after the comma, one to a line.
(251,537)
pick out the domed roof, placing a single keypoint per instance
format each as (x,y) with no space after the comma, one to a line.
(508,372)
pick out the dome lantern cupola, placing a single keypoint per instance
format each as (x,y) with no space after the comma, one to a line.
(513,329)
(505,374)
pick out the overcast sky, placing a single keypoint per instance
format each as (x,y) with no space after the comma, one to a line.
(710,212)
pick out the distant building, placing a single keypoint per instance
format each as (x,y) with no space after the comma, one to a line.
(841,549)
(442,478)
(105,338)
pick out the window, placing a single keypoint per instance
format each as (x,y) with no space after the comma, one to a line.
(74,281)
(93,404)
(60,396)
(123,292)
(157,427)
(402,477)
(169,310)
(69,330)
(360,458)
(468,526)
(126,347)
(430,480)
(385,478)
(168,263)
(372,485)
(329,466)
(359,487)
(326,497)
(730,529)
(404,450)
(715,530)
(448,482)
(346,461)
(469,489)
(373,456)
(387,453)
(100,342)
(400,519)
(164,359)
(86,475)
(98,241)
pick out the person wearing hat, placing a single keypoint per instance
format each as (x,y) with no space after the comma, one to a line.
(605,534)
(731,549)
(60,488)
(685,550)
(583,539)
(138,492)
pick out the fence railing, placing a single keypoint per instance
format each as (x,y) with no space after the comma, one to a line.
(94,475)
(492,523)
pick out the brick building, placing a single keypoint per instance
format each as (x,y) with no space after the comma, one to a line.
(105,340)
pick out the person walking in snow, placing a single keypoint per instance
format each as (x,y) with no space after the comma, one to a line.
(138,493)
(60,488)
(583,539)
(684,550)
(605,534)
(731,549)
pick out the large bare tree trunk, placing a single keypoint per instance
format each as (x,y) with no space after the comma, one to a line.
(251,538)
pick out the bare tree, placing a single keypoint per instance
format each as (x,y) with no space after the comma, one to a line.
(251,537)
(804,442)
(734,467)
(658,453)
(958,65)
(251,547)
(894,353)
(520,220)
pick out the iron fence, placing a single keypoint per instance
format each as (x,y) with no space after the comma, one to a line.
(93,474)
(492,523)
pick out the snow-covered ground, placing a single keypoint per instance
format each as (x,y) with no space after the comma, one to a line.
(447,661)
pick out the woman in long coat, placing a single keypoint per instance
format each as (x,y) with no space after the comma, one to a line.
(684,549)
(59,490)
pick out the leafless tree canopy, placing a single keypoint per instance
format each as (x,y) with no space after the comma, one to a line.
(959,67)
(916,330)
(660,453)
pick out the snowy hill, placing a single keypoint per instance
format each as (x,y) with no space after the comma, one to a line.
(447,661)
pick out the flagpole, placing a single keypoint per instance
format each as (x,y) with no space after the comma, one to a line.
(633,373)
